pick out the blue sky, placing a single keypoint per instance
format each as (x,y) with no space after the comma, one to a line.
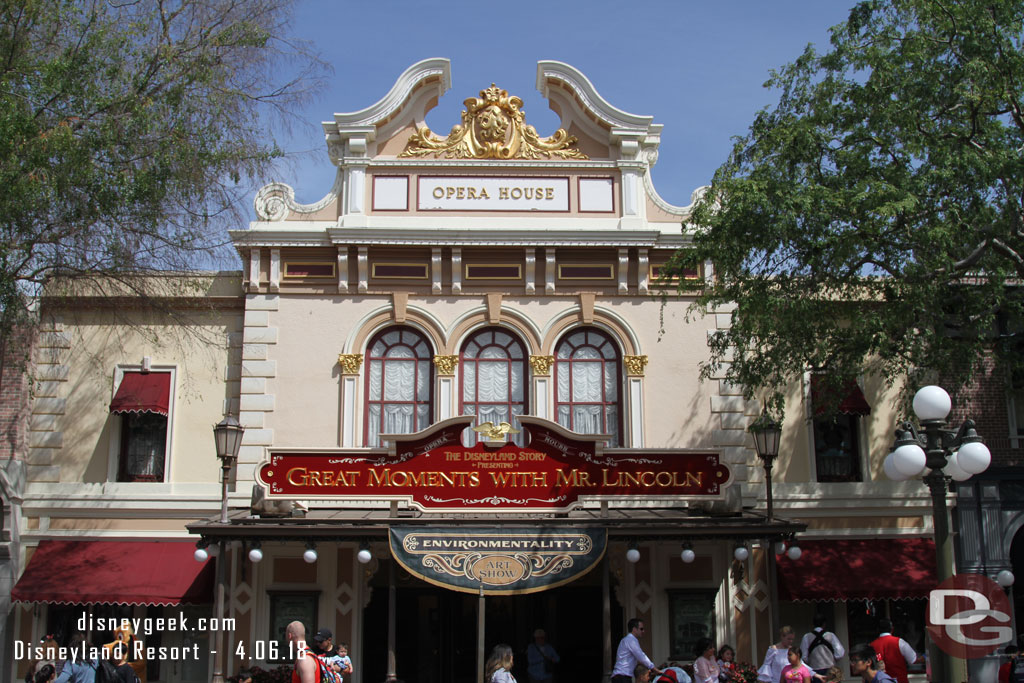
(696,67)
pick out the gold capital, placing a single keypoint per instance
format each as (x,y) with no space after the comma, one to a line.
(635,365)
(446,364)
(350,363)
(541,365)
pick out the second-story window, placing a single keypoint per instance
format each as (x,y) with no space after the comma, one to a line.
(587,373)
(493,371)
(837,407)
(399,386)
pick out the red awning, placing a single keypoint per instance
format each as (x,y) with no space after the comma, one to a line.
(859,570)
(847,397)
(143,392)
(116,572)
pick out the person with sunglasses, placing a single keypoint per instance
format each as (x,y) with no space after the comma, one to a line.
(629,654)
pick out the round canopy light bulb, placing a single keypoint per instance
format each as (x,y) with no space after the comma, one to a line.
(794,552)
(200,554)
(780,547)
(974,457)
(309,556)
(364,555)
(932,403)
(741,553)
(633,555)
(890,469)
(255,555)
(1005,578)
(213,550)
(909,460)
(688,555)
(953,469)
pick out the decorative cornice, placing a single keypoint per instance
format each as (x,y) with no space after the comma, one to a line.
(588,96)
(446,364)
(350,363)
(635,365)
(541,365)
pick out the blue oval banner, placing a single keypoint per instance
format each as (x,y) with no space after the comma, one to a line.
(501,561)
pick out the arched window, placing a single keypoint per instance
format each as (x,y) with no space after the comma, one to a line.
(493,370)
(588,377)
(399,384)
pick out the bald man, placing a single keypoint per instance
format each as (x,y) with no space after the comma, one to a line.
(305,667)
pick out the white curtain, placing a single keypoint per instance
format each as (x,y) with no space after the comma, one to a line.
(398,419)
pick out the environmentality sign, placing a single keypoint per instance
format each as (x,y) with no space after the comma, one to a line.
(434,471)
(498,561)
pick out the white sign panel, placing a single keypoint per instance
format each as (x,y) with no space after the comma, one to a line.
(462,193)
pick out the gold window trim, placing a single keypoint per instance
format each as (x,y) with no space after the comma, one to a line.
(674,279)
(517,266)
(609,266)
(297,276)
(424,266)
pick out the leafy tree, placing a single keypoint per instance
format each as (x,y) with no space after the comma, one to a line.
(131,131)
(871,221)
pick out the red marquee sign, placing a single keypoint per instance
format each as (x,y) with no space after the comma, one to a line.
(435,471)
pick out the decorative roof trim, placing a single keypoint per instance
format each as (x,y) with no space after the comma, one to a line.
(681,211)
(276,201)
(579,84)
(388,105)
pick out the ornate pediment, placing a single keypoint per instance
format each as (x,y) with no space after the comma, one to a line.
(493,127)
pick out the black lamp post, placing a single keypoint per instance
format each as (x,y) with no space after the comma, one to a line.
(228,437)
(766,433)
(946,453)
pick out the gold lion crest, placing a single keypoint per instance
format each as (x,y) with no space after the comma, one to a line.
(493,127)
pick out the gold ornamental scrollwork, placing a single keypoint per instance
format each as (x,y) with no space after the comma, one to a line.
(541,365)
(446,364)
(635,365)
(350,363)
(493,127)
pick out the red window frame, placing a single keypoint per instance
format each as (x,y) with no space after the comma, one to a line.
(565,365)
(384,360)
(466,363)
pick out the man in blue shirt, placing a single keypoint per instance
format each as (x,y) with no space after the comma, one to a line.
(630,654)
(541,658)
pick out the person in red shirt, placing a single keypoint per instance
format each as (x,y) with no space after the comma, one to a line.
(305,667)
(895,653)
(1007,668)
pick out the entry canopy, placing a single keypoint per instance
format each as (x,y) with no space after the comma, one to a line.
(115,572)
(143,392)
(859,569)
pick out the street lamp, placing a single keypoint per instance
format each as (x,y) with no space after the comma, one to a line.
(945,453)
(228,437)
(766,433)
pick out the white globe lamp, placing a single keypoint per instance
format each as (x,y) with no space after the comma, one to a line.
(973,457)
(255,555)
(741,553)
(1005,578)
(932,403)
(794,552)
(201,555)
(890,469)
(364,556)
(633,555)
(688,555)
(909,460)
(953,469)
(310,555)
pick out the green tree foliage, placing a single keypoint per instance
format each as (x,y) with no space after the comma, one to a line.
(131,131)
(872,219)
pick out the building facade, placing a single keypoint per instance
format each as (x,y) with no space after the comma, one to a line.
(445,282)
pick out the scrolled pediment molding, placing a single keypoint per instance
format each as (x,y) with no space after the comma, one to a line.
(276,201)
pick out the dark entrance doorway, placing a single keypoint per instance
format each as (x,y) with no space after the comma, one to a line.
(436,629)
